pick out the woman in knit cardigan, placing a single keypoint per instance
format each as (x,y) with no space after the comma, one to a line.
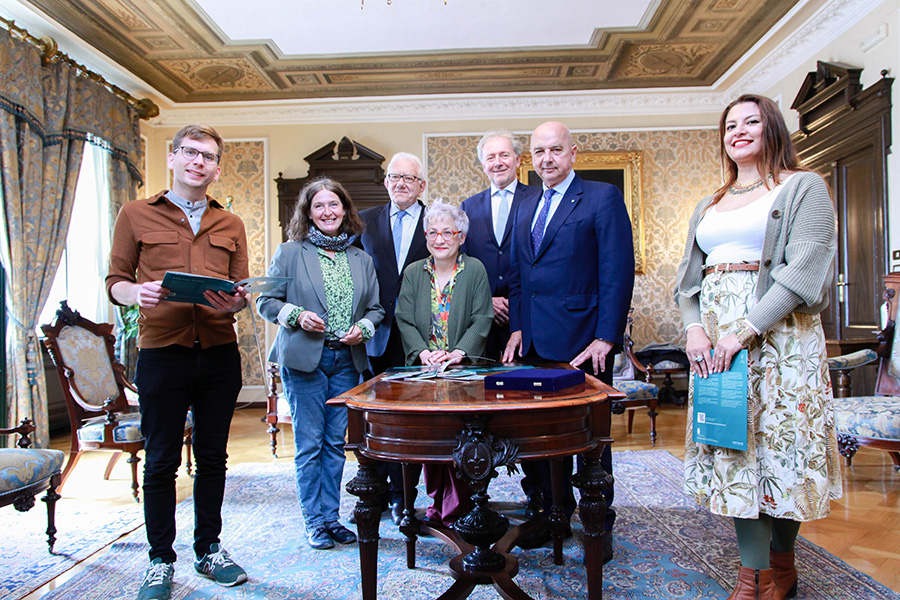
(444,313)
(755,274)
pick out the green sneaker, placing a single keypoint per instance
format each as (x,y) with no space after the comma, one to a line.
(219,567)
(157,584)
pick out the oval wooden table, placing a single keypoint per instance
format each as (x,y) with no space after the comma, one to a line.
(478,430)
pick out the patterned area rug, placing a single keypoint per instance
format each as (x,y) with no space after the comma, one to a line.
(25,564)
(664,548)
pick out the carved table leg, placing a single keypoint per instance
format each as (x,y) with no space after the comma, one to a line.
(409,526)
(557,519)
(367,485)
(592,480)
(476,457)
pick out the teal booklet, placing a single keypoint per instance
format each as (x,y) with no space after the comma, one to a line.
(720,406)
(185,287)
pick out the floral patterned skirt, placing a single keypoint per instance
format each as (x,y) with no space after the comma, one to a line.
(791,468)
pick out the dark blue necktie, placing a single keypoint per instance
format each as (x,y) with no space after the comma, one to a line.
(537,234)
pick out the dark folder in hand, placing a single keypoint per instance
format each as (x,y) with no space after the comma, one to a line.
(186,287)
(534,380)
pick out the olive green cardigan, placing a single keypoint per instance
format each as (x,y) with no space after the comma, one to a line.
(471,310)
(797,263)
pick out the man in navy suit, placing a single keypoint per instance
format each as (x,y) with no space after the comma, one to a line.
(490,225)
(394,238)
(571,281)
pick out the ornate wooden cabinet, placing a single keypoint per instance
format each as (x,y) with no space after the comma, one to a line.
(845,135)
(353,165)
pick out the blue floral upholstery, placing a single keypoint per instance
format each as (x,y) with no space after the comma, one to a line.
(128,429)
(852,360)
(636,389)
(21,467)
(869,416)
(668,364)
(26,472)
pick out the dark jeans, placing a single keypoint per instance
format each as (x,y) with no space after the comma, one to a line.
(171,380)
(537,473)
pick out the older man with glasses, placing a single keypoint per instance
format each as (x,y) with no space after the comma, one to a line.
(395,238)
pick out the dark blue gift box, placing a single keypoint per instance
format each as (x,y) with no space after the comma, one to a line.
(541,380)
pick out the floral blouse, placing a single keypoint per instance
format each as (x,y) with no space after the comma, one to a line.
(440,304)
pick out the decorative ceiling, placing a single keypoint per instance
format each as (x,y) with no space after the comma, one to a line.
(177,47)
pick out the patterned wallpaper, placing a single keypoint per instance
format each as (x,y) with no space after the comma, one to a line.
(243,179)
(679,168)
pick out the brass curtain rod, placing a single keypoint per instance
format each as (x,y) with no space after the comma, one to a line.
(50,53)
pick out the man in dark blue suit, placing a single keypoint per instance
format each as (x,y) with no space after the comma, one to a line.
(490,225)
(571,282)
(394,238)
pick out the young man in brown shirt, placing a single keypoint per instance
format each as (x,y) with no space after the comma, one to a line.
(188,354)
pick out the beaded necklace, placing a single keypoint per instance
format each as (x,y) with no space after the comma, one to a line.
(738,189)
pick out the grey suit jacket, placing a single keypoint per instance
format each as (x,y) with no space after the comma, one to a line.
(299,349)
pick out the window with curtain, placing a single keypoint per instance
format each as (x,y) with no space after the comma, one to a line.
(82,269)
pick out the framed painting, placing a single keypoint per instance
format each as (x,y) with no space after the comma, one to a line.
(621,169)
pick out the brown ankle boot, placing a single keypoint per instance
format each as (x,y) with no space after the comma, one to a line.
(784,574)
(754,584)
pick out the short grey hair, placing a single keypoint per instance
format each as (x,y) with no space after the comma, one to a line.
(407,156)
(440,208)
(495,133)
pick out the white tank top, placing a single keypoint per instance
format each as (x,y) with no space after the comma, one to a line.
(736,235)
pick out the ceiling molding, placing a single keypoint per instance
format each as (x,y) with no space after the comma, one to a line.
(805,43)
(176,48)
(802,45)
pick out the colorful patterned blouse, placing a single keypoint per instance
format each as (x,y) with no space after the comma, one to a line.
(440,304)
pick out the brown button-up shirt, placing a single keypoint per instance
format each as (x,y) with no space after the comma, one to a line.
(153,236)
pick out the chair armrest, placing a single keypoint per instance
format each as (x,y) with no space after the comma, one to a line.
(853,360)
(25,427)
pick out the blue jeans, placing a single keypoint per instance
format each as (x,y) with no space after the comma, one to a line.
(171,380)
(319,432)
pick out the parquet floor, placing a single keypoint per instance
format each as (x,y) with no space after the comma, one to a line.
(863,530)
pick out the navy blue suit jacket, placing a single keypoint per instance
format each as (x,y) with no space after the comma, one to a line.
(578,287)
(481,243)
(378,241)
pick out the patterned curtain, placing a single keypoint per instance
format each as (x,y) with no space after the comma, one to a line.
(47,112)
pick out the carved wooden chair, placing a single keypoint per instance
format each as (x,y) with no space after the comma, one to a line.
(634,379)
(277,409)
(95,390)
(872,421)
(26,471)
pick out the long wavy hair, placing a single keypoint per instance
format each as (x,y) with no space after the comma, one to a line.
(777,154)
(298,229)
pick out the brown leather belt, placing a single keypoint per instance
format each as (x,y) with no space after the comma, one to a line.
(742,266)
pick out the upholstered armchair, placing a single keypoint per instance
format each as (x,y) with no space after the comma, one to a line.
(95,390)
(872,421)
(634,379)
(26,471)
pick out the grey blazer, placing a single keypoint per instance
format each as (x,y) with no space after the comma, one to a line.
(302,350)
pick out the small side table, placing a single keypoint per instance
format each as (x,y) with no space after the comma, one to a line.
(668,393)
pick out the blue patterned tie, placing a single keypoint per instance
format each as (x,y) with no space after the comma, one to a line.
(502,215)
(398,236)
(537,234)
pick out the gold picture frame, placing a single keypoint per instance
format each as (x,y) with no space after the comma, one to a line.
(622,169)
